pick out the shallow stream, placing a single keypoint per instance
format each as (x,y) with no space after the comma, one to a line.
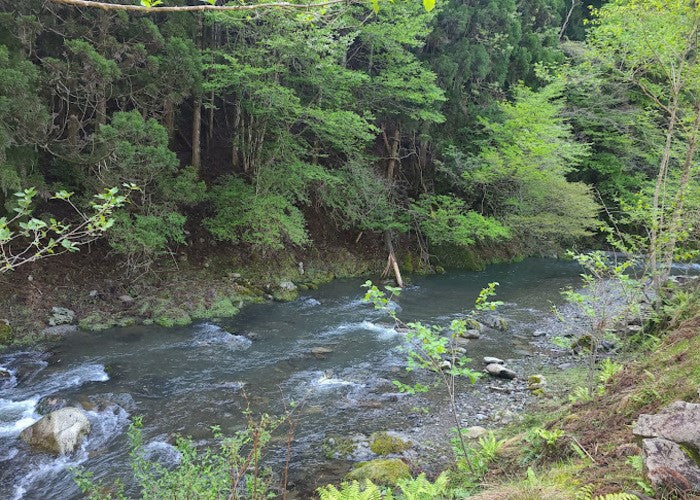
(186,380)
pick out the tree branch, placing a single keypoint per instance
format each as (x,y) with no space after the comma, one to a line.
(198,8)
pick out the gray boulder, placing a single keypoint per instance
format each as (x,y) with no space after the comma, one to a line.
(491,360)
(670,468)
(500,371)
(496,322)
(60,432)
(679,422)
(287,286)
(472,334)
(475,432)
(61,316)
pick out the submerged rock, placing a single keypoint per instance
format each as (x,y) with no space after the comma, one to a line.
(48,404)
(321,352)
(500,371)
(60,432)
(383,471)
(59,330)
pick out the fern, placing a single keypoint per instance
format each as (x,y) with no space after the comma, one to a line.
(420,488)
(608,369)
(586,493)
(354,491)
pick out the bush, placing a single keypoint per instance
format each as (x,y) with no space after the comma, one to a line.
(266,222)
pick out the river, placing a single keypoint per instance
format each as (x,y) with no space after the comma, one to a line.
(186,380)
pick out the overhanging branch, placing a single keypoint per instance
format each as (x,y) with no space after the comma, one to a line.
(199,8)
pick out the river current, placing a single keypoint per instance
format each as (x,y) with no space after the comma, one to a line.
(183,381)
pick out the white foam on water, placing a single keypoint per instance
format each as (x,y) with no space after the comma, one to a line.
(16,416)
(309,302)
(384,332)
(74,377)
(9,382)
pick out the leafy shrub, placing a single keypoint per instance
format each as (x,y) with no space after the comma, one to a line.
(266,222)
(136,151)
(447,220)
(233,470)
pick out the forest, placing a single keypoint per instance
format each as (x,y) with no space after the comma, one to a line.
(169,162)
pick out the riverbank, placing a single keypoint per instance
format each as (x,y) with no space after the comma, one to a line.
(94,291)
(595,451)
(569,446)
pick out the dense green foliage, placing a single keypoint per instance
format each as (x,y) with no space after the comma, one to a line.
(440,126)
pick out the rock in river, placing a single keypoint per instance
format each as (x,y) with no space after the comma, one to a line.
(500,371)
(321,352)
(491,360)
(59,432)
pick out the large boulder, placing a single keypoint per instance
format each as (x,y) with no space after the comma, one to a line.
(671,446)
(60,432)
(670,468)
(679,422)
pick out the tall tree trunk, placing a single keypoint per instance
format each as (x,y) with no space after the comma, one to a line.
(169,117)
(392,148)
(197,132)
(197,109)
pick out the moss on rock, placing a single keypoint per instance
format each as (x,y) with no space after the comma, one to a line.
(221,308)
(6,336)
(382,471)
(171,317)
(97,321)
(382,443)
(338,447)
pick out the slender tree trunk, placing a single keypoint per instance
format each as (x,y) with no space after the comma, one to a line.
(392,147)
(657,213)
(679,204)
(197,132)
(169,118)
(197,110)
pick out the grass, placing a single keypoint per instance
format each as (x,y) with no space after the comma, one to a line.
(598,452)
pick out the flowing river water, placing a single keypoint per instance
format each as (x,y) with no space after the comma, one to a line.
(183,381)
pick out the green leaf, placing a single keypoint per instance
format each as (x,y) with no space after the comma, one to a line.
(429,5)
